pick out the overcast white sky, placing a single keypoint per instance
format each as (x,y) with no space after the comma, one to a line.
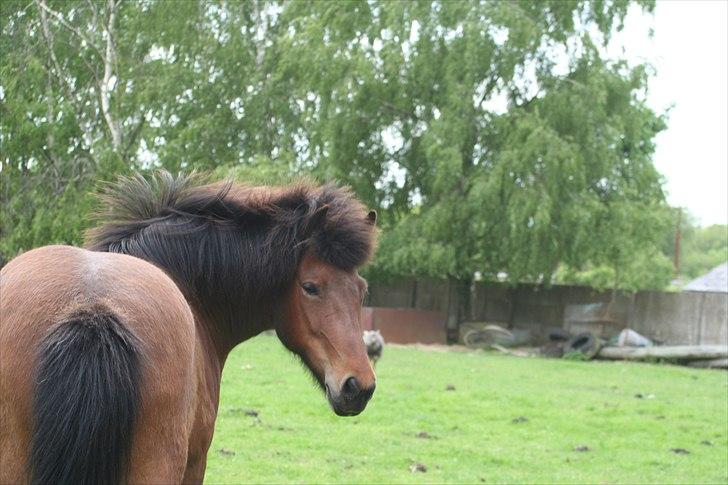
(689,50)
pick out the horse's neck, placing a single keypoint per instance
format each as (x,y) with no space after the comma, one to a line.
(208,375)
(211,351)
(219,337)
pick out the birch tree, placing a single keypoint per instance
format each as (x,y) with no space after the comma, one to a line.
(492,137)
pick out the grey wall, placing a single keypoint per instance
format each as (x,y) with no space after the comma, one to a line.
(671,318)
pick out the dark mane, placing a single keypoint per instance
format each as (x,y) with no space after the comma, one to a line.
(225,241)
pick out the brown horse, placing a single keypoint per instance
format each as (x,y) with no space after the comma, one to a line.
(110,363)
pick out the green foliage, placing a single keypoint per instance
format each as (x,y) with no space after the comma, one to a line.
(39,217)
(260,171)
(575,356)
(643,270)
(471,434)
(702,249)
(490,136)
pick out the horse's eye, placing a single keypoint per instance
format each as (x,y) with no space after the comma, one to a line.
(310,288)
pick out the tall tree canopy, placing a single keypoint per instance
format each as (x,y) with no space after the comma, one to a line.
(491,136)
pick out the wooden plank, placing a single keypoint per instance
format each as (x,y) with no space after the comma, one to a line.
(675,352)
(709,364)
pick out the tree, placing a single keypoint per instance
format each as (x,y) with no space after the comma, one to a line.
(67,116)
(491,136)
(702,249)
(564,175)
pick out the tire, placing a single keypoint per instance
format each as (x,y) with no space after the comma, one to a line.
(585,343)
(559,335)
(477,339)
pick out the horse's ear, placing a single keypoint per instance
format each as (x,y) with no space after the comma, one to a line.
(372,217)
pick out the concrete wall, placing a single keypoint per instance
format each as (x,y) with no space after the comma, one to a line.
(670,318)
(688,317)
(406,325)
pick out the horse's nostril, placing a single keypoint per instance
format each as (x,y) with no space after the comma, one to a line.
(352,398)
(351,387)
(369,392)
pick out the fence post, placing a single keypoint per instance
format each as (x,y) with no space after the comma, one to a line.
(458,308)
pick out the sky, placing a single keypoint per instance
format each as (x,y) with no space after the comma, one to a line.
(689,50)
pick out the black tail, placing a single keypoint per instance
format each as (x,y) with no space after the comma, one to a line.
(86,400)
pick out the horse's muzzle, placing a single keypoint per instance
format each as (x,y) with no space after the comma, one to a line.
(351,399)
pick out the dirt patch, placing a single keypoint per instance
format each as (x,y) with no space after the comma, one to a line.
(253,413)
(440,348)
(680,451)
(433,347)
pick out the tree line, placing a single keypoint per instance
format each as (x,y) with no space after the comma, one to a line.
(493,138)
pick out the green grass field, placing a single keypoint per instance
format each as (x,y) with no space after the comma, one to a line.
(508,419)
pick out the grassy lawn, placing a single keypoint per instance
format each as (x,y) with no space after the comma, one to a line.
(508,419)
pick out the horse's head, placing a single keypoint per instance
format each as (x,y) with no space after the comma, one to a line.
(323,326)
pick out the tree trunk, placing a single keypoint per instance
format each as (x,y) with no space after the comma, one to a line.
(105,85)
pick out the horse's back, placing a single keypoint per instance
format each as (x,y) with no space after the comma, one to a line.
(40,287)
(42,290)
